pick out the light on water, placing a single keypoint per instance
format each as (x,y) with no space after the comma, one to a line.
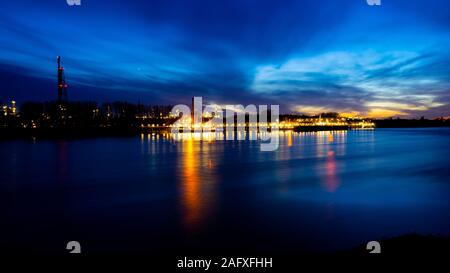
(208,192)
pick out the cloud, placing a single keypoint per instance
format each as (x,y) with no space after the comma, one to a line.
(295,53)
(396,82)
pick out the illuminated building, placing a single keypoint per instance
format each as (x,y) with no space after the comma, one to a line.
(9,110)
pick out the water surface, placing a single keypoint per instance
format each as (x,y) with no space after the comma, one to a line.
(152,193)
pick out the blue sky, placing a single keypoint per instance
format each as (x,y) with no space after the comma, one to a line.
(308,56)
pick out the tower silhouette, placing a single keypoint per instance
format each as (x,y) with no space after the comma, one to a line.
(62,85)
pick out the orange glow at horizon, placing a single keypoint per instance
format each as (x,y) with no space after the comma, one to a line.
(350,114)
(384,113)
(373,110)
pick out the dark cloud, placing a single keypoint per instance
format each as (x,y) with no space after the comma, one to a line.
(167,51)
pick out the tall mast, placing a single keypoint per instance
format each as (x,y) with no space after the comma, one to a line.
(62,85)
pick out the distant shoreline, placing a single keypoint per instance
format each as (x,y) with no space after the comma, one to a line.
(68,133)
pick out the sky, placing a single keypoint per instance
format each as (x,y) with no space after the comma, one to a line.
(307,56)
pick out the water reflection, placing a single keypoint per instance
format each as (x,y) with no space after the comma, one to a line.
(197,181)
(331,179)
(62,167)
(200,155)
(289,136)
(191,199)
(227,135)
(162,190)
(328,146)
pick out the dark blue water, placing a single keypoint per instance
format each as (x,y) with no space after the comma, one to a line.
(151,193)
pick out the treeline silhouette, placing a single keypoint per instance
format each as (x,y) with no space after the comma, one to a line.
(83,118)
(411,123)
(87,117)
